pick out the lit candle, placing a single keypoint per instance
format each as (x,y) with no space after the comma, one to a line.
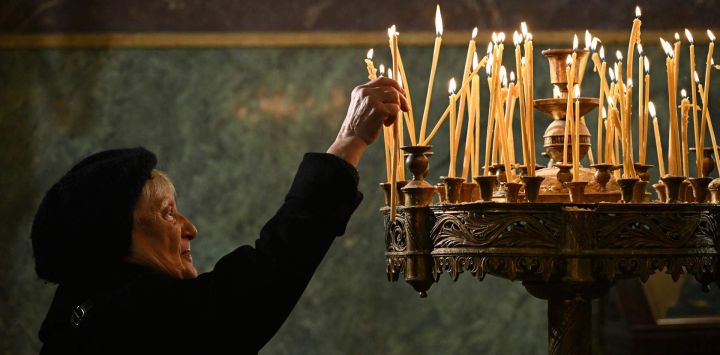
(492,79)
(469,143)
(524,134)
(436,53)
(672,150)
(641,98)
(693,93)
(676,59)
(684,109)
(576,140)
(568,108)
(529,83)
(634,38)
(409,118)
(658,141)
(601,110)
(645,112)
(701,148)
(372,72)
(452,87)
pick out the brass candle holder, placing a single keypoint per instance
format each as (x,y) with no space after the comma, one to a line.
(602,175)
(486,184)
(627,189)
(672,187)
(453,188)
(512,190)
(577,191)
(467,190)
(418,192)
(700,188)
(400,196)
(532,187)
(708,163)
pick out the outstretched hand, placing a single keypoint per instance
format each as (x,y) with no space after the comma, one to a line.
(371,105)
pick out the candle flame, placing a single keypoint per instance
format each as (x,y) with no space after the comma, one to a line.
(617,72)
(501,37)
(494,37)
(651,109)
(697,77)
(475,61)
(683,93)
(568,61)
(711,36)
(689,36)
(629,83)
(575,42)
(391,31)
(399,81)
(452,86)
(588,39)
(438,22)
(382,69)
(523,29)
(611,73)
(474,32)
(512,76)
(490,48)
(503,75)
(516,38)
(370,54)
(489,65)
(677,36)
(647,65)
(522,60)
(640,48)
(576,91)
(618,54)
(390,74)
(529,37)
(611,101)
(604,113)
(602,53)
(594,44)
(504,82)
(556,92)
(637,11)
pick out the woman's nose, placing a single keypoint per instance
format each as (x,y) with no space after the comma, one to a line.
(189,230)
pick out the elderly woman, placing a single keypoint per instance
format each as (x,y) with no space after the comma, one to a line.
(109,233)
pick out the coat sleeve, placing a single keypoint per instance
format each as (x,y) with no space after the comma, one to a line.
(258,287)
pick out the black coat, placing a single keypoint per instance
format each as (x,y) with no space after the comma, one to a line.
(235,308)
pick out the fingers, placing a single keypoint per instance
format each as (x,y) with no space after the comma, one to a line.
(383,81)
(391,96)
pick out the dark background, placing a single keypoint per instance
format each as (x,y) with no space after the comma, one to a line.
(230,125)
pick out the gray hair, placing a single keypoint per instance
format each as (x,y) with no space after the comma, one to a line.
(158,184)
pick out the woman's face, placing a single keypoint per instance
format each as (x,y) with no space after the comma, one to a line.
(161,235)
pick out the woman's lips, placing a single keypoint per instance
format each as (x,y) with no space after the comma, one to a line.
(187,255)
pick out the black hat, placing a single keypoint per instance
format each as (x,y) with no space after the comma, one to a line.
(85,220)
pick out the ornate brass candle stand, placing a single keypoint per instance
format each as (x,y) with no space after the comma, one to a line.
(566,254)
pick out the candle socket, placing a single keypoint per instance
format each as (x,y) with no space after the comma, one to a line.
(487,185)
(686,192)
(466,192)
(418,192)
(512,190)
(602,175)
(700,188)
(660,190)
(672,187)
(500,173)
(708,163)
(642,171)
(564,175)
(627,189)
(475,192)
(400,195)
(639,191)
(714,190)
(557,60)
(532,187)
(453,189)
(524,169)
(442,197)
(577,191)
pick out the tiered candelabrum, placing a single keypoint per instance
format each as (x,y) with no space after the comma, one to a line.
(566,253)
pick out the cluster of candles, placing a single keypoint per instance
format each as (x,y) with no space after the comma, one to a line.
(615,122)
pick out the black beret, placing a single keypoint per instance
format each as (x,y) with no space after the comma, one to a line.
(84,222)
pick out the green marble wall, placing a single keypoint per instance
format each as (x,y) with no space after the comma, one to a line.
(230,126)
